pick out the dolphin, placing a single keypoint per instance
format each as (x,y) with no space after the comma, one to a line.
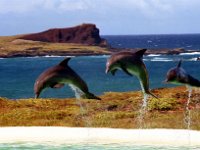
(59,75)
(179,76)
(132,64)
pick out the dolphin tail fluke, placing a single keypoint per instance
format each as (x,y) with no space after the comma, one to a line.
(36,96)
(90,96)
(193,82)
(149,93)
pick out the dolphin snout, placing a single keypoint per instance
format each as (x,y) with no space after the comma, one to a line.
(165,81)
(106,70)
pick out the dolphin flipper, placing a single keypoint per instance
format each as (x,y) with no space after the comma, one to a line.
(193,82)
(125,70)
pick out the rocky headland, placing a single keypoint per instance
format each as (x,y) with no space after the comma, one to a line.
(87,34)
(73,41)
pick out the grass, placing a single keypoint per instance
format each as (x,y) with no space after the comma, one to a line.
(12,46)
(115,110)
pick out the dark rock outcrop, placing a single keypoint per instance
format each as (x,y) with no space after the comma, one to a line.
(83,34)
(164,51)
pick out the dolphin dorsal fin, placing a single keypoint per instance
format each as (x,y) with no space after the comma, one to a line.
(64,62)
(141,52)
(179,64)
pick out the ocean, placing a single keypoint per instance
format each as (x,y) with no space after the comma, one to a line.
(186,41)
(17,75)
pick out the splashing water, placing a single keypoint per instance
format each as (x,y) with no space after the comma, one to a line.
(145,96)
(144,105)
(78,94)
(142,112)
(187,116)
(143,108)
(77,91)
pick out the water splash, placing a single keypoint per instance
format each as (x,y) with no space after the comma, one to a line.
(145,96)
(83,109)
(187,115)
(77,91)
(142,112)
(143,108)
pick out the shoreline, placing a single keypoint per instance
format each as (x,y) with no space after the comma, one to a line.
(71,135)
(148,53)
(72,43)
(13,46)
(49,55)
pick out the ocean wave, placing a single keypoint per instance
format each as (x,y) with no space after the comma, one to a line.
(149,41)
(161,59)
(168,60)
(55,56)
(192,59)
(192,53)
(47,56)
(99,56)
(153,55)
(189,46)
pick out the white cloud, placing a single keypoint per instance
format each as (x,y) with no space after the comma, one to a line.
(18,6)
(110,15)
(146,7)
(22,6)
(71,5)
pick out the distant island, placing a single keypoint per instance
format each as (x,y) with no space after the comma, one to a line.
(80,40)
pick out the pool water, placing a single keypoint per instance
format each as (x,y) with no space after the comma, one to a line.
(35,146)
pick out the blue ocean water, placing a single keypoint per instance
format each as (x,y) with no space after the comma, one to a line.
(186,41)
(17,75)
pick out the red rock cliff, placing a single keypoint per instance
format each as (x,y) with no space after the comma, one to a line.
(83,34)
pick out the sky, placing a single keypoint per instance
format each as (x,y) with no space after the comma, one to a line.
(112,17)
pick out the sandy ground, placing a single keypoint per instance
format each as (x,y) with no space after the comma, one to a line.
(65,135)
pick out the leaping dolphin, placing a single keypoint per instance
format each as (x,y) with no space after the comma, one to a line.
(58,76)
(132,64)
(179,76)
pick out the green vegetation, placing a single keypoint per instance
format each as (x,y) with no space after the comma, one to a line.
(116,110)
(12,46)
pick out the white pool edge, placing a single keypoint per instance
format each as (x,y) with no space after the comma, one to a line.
(68,135)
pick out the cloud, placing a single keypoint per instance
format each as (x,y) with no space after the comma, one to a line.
(110,15)
(18,6)
(24,6)
(148,8)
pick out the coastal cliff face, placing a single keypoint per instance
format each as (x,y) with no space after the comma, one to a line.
(83,34)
